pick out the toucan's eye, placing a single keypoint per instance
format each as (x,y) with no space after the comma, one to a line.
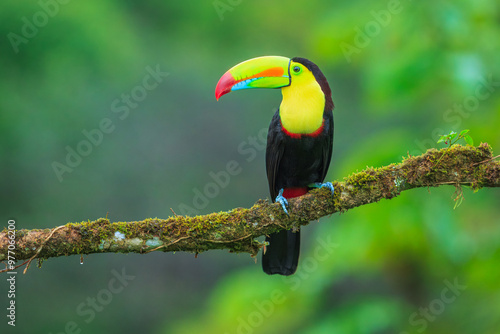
(297,69)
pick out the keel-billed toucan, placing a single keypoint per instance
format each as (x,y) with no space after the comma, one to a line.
(299,141)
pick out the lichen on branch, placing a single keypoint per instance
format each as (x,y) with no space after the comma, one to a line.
(236,230)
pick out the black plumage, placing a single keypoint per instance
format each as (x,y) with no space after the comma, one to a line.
(295,161)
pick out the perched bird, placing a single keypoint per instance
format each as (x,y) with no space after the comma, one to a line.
(299,141)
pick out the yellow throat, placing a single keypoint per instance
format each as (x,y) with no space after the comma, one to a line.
(301,110)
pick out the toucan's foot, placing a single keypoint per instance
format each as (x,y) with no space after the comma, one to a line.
(282,200)
(328,185)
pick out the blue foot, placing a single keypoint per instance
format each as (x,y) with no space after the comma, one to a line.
(282,200)
(328,185)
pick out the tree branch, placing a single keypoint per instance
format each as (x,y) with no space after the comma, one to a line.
(237,229)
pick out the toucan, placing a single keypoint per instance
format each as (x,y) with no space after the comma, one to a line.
(299,140)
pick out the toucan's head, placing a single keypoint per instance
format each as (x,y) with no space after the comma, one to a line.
(273,72)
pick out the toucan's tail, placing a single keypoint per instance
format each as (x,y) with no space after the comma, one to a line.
(282,253)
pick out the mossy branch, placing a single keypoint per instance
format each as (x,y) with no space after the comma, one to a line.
(237,230)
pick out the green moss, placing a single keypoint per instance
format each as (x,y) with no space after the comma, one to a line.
(362,178)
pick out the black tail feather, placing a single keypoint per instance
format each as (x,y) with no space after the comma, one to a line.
(282,253)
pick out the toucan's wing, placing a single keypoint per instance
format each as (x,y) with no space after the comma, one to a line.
(274,152)
(327,143)
(282,256)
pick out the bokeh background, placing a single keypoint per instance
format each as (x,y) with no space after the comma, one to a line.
(401,72)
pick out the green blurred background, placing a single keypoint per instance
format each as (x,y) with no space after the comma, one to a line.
(401,73)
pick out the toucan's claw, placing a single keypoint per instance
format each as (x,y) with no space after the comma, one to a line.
(282,200)
(328,185)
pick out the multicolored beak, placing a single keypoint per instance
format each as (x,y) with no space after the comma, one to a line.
(261,72)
